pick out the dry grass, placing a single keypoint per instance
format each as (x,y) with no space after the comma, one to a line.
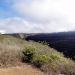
(10,51)
(11,54)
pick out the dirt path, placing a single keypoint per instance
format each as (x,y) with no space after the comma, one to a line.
(21,70)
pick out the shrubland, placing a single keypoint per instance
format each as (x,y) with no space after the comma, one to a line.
(15,50)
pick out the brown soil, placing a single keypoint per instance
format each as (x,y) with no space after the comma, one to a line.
(21,70)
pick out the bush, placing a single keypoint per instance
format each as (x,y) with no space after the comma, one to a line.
(55,57)
(53,63)
(28,54)
(40,60)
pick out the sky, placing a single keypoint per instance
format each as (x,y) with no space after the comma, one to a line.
(37,16)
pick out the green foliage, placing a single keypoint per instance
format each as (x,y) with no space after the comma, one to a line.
(55,57)
(28,54)
(41,60)
(53,61)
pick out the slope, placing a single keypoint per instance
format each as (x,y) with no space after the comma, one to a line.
(45,58)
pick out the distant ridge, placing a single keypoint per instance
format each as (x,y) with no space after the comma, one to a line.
(20,35)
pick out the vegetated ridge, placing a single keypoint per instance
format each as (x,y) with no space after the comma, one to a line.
(14,51)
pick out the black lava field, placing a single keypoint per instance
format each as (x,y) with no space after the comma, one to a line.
(63,41)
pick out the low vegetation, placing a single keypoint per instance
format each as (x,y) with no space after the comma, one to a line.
(14,50)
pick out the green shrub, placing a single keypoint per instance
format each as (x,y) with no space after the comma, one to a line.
(53,61)
(41,60)
(28,54)
(55,57)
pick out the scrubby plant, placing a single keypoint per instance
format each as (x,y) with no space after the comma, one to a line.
(55,57)
(40,60)
(28,54)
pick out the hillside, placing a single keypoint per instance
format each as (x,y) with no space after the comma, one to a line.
(62,41)
(15,51)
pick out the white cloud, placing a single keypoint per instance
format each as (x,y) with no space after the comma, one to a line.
(2,31)
(41,16)
(46,10)
(18,25)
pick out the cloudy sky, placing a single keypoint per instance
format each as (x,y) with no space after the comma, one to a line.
(37,16)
